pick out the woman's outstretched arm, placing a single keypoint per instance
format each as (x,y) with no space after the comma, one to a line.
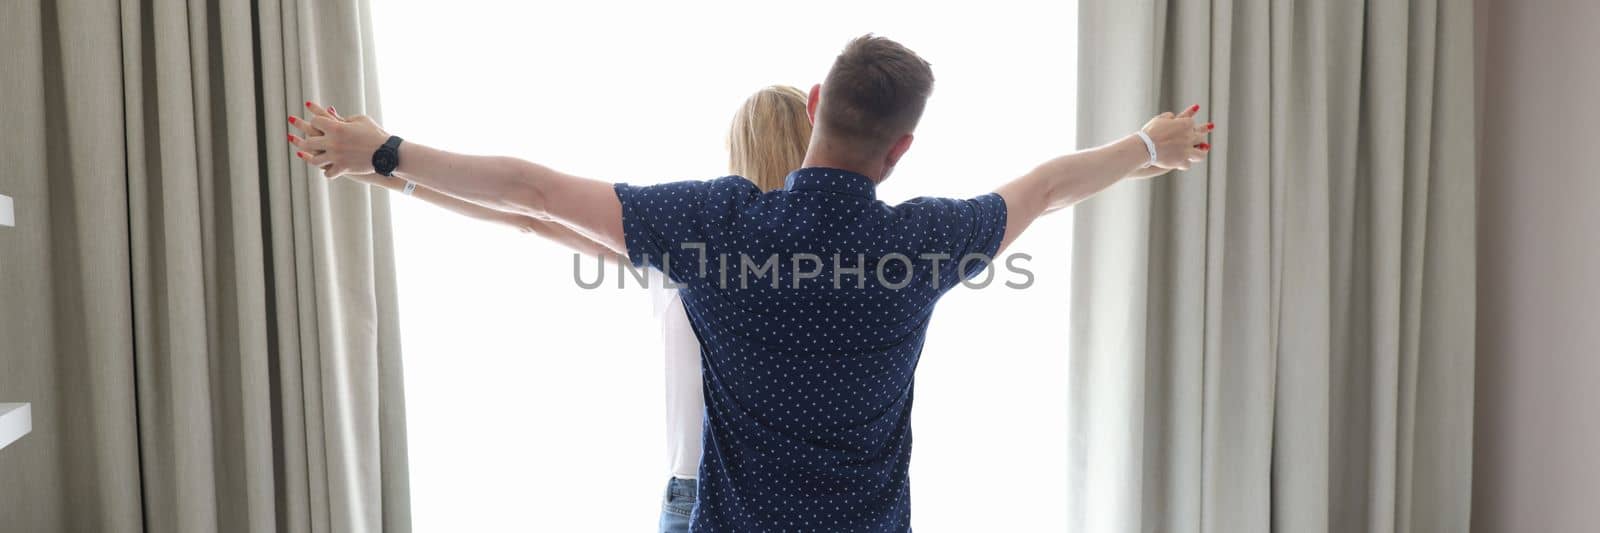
(549,229)
(1170,141)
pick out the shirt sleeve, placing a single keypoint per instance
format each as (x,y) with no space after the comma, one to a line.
(670,226)
(967,233)
(987,214)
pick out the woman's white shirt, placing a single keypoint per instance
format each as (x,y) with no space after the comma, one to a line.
(685,403)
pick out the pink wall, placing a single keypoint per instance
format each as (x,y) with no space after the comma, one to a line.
(1537,450)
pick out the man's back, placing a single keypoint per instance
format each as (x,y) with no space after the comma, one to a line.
(810,304)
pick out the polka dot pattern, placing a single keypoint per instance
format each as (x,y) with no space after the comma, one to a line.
(808,387)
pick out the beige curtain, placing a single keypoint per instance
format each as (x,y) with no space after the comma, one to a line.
(1281,339)
(208,335)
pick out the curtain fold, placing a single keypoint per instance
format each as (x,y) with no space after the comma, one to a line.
(1282,338)
(207,332)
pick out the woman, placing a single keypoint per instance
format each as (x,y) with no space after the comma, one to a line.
(767,139)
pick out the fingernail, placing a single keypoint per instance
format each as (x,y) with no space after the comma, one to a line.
(331,110)
(1196,107)
(301,155)
(1210,126)
(1205,146)
(291,119)
(308,104)
(291,138)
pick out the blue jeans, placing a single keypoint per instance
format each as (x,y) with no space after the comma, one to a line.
(676,504)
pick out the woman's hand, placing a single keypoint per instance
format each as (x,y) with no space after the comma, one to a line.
(339,146)
(1147,172)
(1179,142)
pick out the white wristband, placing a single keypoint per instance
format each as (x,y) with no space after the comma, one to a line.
(410,186)
(1150,146)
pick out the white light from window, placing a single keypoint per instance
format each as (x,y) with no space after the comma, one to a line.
(535,405)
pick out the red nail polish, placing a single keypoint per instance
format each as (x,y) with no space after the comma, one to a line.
(301,155)
(1210,126)
(308,104)
(1195,108)
(291,119)
(291,138)
(1205,146)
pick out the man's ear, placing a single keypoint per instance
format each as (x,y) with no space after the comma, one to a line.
(811,103)
(899,149)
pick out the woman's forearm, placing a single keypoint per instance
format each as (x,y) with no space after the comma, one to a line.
(451,203)
(548,229)
(1074,177)
(500,183)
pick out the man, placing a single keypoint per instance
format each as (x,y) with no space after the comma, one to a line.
(807,364)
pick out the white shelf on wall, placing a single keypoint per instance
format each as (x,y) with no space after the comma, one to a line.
(8,212)
(16,420)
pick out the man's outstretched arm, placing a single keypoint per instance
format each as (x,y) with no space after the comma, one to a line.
(1069,179)
(548,229)
(500,183)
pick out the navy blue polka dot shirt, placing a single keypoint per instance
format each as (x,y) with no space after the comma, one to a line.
(810,304)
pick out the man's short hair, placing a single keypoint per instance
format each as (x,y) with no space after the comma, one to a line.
(875,92)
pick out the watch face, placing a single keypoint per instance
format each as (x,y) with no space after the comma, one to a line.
(383,161)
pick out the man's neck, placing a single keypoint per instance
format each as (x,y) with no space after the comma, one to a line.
(818,156)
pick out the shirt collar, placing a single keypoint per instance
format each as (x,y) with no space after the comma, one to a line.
(830,180)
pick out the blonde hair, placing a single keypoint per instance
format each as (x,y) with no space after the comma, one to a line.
(769,135)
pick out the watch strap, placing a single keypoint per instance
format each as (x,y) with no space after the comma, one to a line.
(391,148)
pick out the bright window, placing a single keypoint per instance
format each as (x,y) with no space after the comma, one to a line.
(535,405)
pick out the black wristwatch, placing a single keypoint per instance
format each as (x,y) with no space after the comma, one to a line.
(387,157)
